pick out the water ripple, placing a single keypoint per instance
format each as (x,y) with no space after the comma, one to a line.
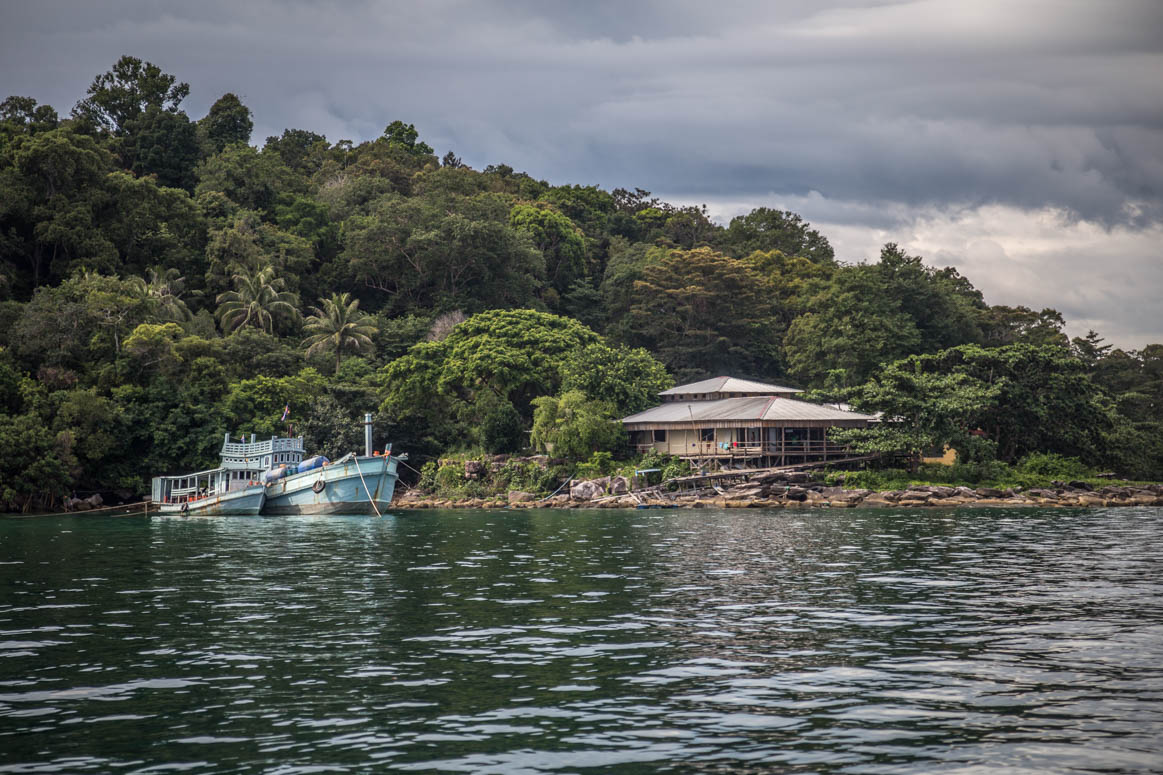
(535,642)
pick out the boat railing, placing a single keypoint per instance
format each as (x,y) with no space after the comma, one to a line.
(266,447)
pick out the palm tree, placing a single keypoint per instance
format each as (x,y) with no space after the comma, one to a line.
(164,288)
(339,325)
(258,297)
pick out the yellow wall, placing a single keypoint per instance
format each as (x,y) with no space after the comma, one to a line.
(947,459)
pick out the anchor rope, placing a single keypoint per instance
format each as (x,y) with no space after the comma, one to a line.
(366,490)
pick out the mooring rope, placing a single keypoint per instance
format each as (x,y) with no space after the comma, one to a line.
(366,490)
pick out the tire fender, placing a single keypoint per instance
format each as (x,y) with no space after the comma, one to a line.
(319,486)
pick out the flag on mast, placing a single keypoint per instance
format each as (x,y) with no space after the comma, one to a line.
(286,412)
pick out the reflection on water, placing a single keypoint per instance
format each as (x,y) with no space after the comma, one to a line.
(522,642)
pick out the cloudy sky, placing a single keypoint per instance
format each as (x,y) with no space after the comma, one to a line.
(1020,140)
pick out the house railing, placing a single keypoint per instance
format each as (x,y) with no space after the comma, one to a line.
(752,449)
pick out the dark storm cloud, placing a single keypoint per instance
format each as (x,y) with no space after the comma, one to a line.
(1028,104)
(1021,141)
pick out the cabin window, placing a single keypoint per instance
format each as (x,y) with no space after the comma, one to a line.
(706,434)
(659,436)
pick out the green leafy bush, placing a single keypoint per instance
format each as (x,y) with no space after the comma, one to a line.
(1054,466)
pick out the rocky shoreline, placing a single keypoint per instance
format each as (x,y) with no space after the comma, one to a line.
(799,490)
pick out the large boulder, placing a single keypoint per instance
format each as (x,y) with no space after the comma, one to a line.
(619,485)
(586,491)
(517,496)
(473,469)
(95,501)
(799,494)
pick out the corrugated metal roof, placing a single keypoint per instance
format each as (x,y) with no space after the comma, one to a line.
(729,385)
(733,409)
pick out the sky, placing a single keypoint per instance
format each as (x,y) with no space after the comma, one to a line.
(1020,141)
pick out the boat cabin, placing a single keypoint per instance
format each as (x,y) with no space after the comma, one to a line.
(189,488)
(247,459)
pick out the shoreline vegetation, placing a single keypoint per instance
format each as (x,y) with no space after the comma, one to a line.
(1040,480)
(166,279)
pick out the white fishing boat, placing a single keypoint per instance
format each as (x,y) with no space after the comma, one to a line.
(215,492)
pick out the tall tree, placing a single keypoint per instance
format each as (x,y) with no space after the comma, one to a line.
(765,229)
(126,91)
(162,143)
(257,300)
(338,325)
(703,313)
(559,240)
(228,122)
(404,137)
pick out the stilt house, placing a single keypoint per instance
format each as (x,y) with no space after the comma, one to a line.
(725,422)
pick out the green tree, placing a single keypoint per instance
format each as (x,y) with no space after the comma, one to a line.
(559,240)
(764,230)
(426,253)
(299,149)
(228,122)
(922,407)
(22,115)
(123,93)
(1003,326)
(162,143)
(256,404)
(250,179)
(703,313)
(404,137)
(258,299)
(628,380)
(574,427)
(852,328)
(163,290)
(338,325)
(50,195)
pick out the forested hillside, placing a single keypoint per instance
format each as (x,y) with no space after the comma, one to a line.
(164,281)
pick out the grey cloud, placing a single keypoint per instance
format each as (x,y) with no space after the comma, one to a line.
(883,109)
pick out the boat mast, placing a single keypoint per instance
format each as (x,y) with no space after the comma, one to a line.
(367,434)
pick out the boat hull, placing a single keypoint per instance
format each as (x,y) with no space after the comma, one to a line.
(246,502)
(343,491)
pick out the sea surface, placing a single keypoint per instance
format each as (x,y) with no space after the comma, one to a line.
(749,641)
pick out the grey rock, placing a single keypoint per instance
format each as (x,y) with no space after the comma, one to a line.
(585,491)
(619,485)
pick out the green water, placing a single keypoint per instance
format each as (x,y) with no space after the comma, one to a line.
(855,641)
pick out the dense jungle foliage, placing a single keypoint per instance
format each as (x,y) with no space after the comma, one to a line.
(163,281)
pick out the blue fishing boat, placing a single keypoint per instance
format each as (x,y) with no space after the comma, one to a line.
(353,484)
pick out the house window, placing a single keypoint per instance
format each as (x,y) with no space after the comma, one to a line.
(706,434)
(659,436)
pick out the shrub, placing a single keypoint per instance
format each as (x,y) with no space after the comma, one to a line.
(1052,465)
